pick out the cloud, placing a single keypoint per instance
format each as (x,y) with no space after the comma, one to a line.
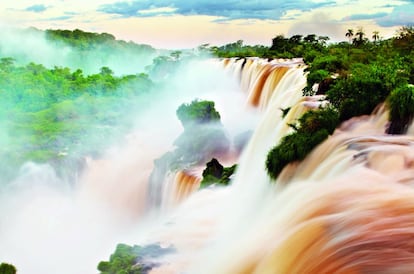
(226,9)
(362,16)
(36,8)
(400,16)
(60,18)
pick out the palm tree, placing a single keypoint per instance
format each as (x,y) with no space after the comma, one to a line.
(375,36)
(359,39)
(350,34)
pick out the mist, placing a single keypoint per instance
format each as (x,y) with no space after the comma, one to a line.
(32,45)
(71,223)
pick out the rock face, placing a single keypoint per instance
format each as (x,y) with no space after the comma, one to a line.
(324,85)
(133,259)
(215,173)
(203,138)
(214,168)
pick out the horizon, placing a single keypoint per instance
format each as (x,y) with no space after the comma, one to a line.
(177,24)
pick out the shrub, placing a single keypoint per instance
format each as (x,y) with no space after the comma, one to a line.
(6,268)
(197,112)
(315,76)
(133,259)
(361,91)
(401,105)
(314,127)
(122,261)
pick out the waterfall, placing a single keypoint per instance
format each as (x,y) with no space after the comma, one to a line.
(347,208)
(269,86)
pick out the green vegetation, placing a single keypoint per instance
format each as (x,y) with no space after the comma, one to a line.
(123,261)
(132,259)
(215,173)
(57,115)
(282,47)
(99,48)
(198,112)
(401,105)
(366,86)
(203,138)
(312,129)
(356,76)
(6,268)
(203,135)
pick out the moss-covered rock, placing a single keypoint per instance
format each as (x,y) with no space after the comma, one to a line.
(133,259)
(215,173)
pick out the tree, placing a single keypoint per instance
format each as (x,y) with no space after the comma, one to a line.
(295,39)
(323,40)
(310,38)
(105,71)
(359,39)
(404,42)
(375,36)
(350,35)
(280,43)
(360,91)
(197,112)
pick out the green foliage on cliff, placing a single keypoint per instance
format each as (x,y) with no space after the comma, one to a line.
(197,112)
(203,134)
(366,86)
(122,261)
(356,77)
(133,259)
(312,129)
(401,105)
(215,173)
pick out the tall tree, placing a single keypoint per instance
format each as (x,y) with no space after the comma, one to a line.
(350,35)
(359,39)
(375,36)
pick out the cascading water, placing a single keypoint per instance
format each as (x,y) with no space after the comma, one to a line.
(347,208)
(277,84)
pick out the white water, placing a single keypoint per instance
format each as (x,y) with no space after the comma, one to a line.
(49,225)
(347,208)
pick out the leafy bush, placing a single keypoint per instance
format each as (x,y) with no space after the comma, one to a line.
(314,127)
(401,105)
(331,63)
(6,268)
(133,259)
(123,260)
(315,76)
(197,111)
(361,91)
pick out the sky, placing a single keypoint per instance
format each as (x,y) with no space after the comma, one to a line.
(179,24)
